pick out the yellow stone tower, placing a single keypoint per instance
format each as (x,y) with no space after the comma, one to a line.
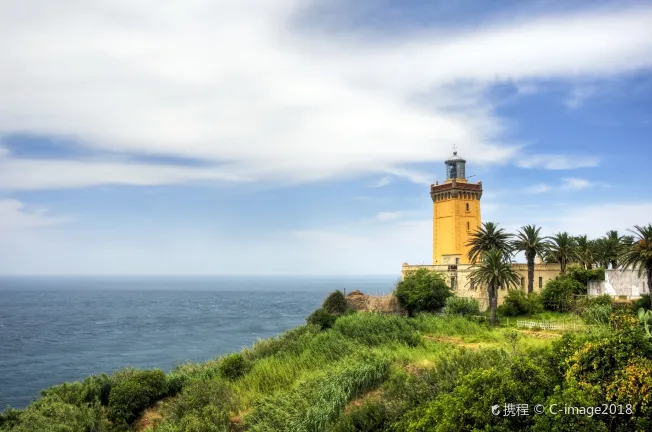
(456,214)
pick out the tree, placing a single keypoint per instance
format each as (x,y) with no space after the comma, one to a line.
(561,249)
(584,252)
(639,253)
(600,251)
(614,244)
(494,270)
(489,237)
(422,291)
(529,240)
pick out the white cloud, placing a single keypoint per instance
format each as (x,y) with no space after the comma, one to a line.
(26,174)
(383,181)
(573,183)
(389,216)
(238,85)
(15,216)
(556,161)
(538,189)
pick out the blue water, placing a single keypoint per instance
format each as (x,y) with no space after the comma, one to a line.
(63,329)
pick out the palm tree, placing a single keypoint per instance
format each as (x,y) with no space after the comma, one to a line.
(584,251)
(639,253)
(561,249)
(493,270)
(529,241)
(614,247)
(489,237)
(601,252)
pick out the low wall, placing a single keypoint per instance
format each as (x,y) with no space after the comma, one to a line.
(620,283)
(462,286)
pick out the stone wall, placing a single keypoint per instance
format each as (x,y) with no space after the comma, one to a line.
(620,283)
(458,278)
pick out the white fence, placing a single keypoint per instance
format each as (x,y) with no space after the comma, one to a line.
(549,325)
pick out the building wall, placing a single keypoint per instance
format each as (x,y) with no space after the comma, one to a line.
(453,225)
(620,283)
(463,288)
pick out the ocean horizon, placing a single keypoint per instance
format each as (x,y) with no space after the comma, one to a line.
(64,328)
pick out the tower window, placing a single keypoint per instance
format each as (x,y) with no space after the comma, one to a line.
(540,282)
(522,282)
(468,226)
(453,283)
(467,206)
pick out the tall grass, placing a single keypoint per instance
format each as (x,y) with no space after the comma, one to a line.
(375,329)
(312,405)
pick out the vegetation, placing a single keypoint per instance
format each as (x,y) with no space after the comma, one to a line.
(518,303)
(462,306)
(422,291)
(529,240)
(493,271)
(489,237)
(638,254)
(376,372)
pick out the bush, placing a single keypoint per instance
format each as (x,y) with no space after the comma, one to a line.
(422,291)
(321,318)
(461,306)
(233,366)
(644,302)
(135,392)
(597,314)
(175,384)
(584,276)
(371,416)
(519,303)
(335,303)
(558,293)
(202,402)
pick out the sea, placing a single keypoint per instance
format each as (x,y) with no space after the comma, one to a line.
(57,329)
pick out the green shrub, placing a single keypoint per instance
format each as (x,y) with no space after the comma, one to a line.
(135,392)
(558,293)
(233,366)
(9,418)
(585,276)
(518,303)
(52,413)
(518,379)
(422,291)
(644,302)
(461,306)
(321,318)
(204,401)
(598,314)
(371,416)
(335,303)
(175,383)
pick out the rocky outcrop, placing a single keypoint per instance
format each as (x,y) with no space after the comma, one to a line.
(366,303)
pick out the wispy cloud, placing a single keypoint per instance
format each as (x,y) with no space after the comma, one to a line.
(556,161)
(538,188)
(389,216)
(574,183)
(15,215)
(383,181)
(240,86)
(578,95)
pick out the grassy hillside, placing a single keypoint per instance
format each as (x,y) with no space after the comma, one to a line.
(373,372)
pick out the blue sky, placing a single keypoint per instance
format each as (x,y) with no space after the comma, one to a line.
(293,137)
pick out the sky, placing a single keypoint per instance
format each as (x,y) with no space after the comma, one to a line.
(276,137)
